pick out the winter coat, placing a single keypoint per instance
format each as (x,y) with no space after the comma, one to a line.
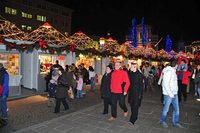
(105,85)
(150,78)
(170,83)
(52,90)
(70,79)
(4,80)
(118,78)
(197,80)
(85,74)
(136,88)
(61,89)
(146,71)
(80,84)
(158,73)
(185,77)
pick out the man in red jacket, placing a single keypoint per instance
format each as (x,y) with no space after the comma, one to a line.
(119,87)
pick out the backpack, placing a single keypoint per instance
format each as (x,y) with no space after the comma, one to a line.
(95,78)
(1,90)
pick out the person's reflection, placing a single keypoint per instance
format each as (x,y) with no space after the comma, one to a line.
(42,67)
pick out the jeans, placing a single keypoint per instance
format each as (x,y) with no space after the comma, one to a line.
(79,94)
(83,90)
(167,102)
(3,107)
(195,88)
(145,83)
(199,92)
(185,67)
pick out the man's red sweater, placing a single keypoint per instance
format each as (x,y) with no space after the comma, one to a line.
(117,78)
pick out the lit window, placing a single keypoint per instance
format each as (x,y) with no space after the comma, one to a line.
(24,15)
(7,10)
(23,27)
(66,34)
(14,11)
(29,28)
(41,18)
(29,15)
(10,11)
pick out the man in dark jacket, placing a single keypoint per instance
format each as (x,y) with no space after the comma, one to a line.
(85,77)
(105,88)
(4,79)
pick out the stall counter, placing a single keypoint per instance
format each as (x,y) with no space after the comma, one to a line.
(14,85)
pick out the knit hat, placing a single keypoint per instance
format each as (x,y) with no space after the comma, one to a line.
(110,66)
(1,65)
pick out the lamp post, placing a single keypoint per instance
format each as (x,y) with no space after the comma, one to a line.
(102,42)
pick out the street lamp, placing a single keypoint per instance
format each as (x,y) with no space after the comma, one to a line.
(102,42)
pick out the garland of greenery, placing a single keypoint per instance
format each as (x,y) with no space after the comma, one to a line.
(78,51)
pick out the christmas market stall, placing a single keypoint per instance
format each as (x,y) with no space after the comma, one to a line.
(11,59)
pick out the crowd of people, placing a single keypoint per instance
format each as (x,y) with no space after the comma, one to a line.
(63,84)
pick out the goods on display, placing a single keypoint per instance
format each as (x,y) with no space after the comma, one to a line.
(11,63)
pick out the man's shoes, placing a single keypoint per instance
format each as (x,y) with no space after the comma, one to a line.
(126,113)
(178,125)
(131,123)
(111,119)
(164,124)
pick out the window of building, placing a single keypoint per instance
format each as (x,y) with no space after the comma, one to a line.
(25,2)
(30,3)
(51,20)
(23,27)
(24,15)
(56,11)
(29,28)
(41,18)
(43,7)
(66,34)
(63,13)
(63,23)
(66,24)
(30,16)
(55,21)
(10,11)
(67,14)
(39,6)
(52,10)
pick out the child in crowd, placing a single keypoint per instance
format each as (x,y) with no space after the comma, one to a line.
(181,57)
(52,87)
(79,86)
(150,81)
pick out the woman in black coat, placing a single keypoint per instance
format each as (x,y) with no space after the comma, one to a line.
(61,91)
(135,91)
(105,88)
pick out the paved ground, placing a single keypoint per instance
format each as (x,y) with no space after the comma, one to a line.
(31,115)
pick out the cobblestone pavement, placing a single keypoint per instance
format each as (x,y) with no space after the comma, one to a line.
(33,109)
(31,115)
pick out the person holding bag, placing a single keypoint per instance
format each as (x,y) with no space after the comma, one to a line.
(61,91)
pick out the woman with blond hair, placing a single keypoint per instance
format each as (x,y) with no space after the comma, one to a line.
(135,91)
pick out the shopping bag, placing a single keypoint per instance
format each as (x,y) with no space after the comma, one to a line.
(71,94)
(1,90)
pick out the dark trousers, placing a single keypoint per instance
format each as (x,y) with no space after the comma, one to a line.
(57,109)
(181,89)
(47,85)
(145,83)
(134,115)
(115,97)
(107,101)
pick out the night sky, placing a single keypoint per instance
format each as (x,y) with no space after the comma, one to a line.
(178,19)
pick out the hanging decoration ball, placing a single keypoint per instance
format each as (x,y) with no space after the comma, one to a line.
(72,47)
(197,56)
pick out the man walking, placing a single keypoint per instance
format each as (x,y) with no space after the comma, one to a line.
(4,77)
(170,91)
(119,87)
(146,74)
(85,77)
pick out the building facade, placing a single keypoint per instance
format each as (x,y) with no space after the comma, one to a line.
(152,38)
(28,15)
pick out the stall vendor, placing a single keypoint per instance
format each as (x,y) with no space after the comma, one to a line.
(42,67)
